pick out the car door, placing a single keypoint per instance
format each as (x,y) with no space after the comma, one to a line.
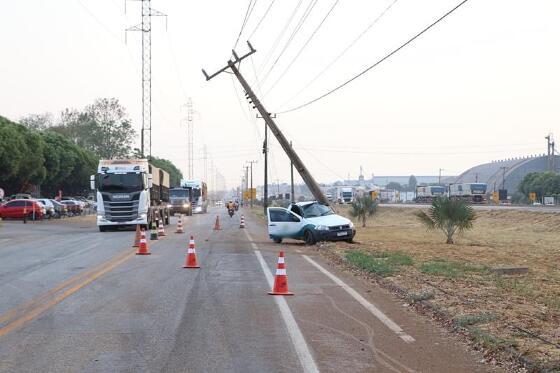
(283,223)
(14,208)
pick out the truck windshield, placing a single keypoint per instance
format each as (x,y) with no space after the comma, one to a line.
(314,210)
(120,182)
(178,193)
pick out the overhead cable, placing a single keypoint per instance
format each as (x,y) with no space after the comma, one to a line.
(376,63)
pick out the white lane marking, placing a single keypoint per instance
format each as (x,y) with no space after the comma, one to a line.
(302,350)
(370,307)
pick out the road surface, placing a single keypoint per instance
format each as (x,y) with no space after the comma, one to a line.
(76,300)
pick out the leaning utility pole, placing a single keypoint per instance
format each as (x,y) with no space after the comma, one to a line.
(292,155)
(293,198)
(146,28)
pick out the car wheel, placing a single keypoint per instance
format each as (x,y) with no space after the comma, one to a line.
(102,228)
(309,238)
(277,240)
(350,240)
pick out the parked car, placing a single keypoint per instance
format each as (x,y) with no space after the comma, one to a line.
(49,207)
(20,208)
(59,208)
(310,222)
(74,207)
(19,196)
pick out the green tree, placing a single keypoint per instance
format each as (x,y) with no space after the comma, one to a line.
(393,185)
(362,208)
(448,215)
(412,183)
(175,175)
(103,128)
(541,183)
(37,122)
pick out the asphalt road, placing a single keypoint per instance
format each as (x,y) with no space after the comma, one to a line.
(76,300)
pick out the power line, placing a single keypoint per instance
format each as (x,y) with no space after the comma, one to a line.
(300,23)
(303,47)
(260,21)
(356,39)
(245,19)
(376,63)
(279,37)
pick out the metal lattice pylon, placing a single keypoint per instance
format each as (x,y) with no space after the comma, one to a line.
(146,28)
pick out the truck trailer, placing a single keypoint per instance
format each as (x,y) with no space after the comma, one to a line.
(130,192)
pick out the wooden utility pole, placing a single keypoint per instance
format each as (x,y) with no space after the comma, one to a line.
(293,198)
(292,155)
(251,190)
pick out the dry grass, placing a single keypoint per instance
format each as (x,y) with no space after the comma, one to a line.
(459,275)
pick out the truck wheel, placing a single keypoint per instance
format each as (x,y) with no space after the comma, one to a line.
(309,238)
(102,228)
(277,240)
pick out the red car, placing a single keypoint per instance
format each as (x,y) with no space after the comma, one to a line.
(18,208)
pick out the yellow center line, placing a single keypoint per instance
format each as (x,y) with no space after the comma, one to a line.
(49,299)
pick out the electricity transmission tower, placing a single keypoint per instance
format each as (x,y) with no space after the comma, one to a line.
(292,155)
(146,28)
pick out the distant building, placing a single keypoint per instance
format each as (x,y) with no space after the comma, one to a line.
(510,172)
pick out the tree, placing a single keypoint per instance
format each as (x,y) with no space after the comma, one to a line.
(103,128)
(448,215)
(362,208)
(37,122)
(541,183)
(412,183)
(393,185)
(175,175)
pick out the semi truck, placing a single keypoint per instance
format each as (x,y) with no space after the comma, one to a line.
(180,201)
(344,194)
(199,195)
(130,192)
(471,192)
(427,193)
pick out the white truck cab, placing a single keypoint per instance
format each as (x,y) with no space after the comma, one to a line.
(310,222)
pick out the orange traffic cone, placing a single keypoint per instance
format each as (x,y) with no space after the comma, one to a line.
(161,231)
(180,225)
(143,248)
(242,224)
(281,279)
(137,236)
(191,261)
(217,224)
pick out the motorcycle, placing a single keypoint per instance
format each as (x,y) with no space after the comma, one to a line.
(231,212)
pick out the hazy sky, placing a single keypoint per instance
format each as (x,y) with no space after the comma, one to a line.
(481,85)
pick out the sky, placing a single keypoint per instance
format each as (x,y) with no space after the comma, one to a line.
(481,85)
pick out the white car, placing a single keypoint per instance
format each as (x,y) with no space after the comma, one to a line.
(48,205)
(310,222)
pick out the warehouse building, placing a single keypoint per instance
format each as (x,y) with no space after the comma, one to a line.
(508,173)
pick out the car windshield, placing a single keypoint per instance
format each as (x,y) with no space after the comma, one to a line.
(314,210)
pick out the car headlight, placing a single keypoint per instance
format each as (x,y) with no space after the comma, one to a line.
(185,205)
(322,228)
(351,225)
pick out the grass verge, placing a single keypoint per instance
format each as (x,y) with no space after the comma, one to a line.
(383,264)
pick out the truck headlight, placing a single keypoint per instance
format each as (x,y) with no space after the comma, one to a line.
(168,206)
(185,205)
(322,228)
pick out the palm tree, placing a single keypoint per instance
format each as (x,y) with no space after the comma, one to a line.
(448,215)
(362,208)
